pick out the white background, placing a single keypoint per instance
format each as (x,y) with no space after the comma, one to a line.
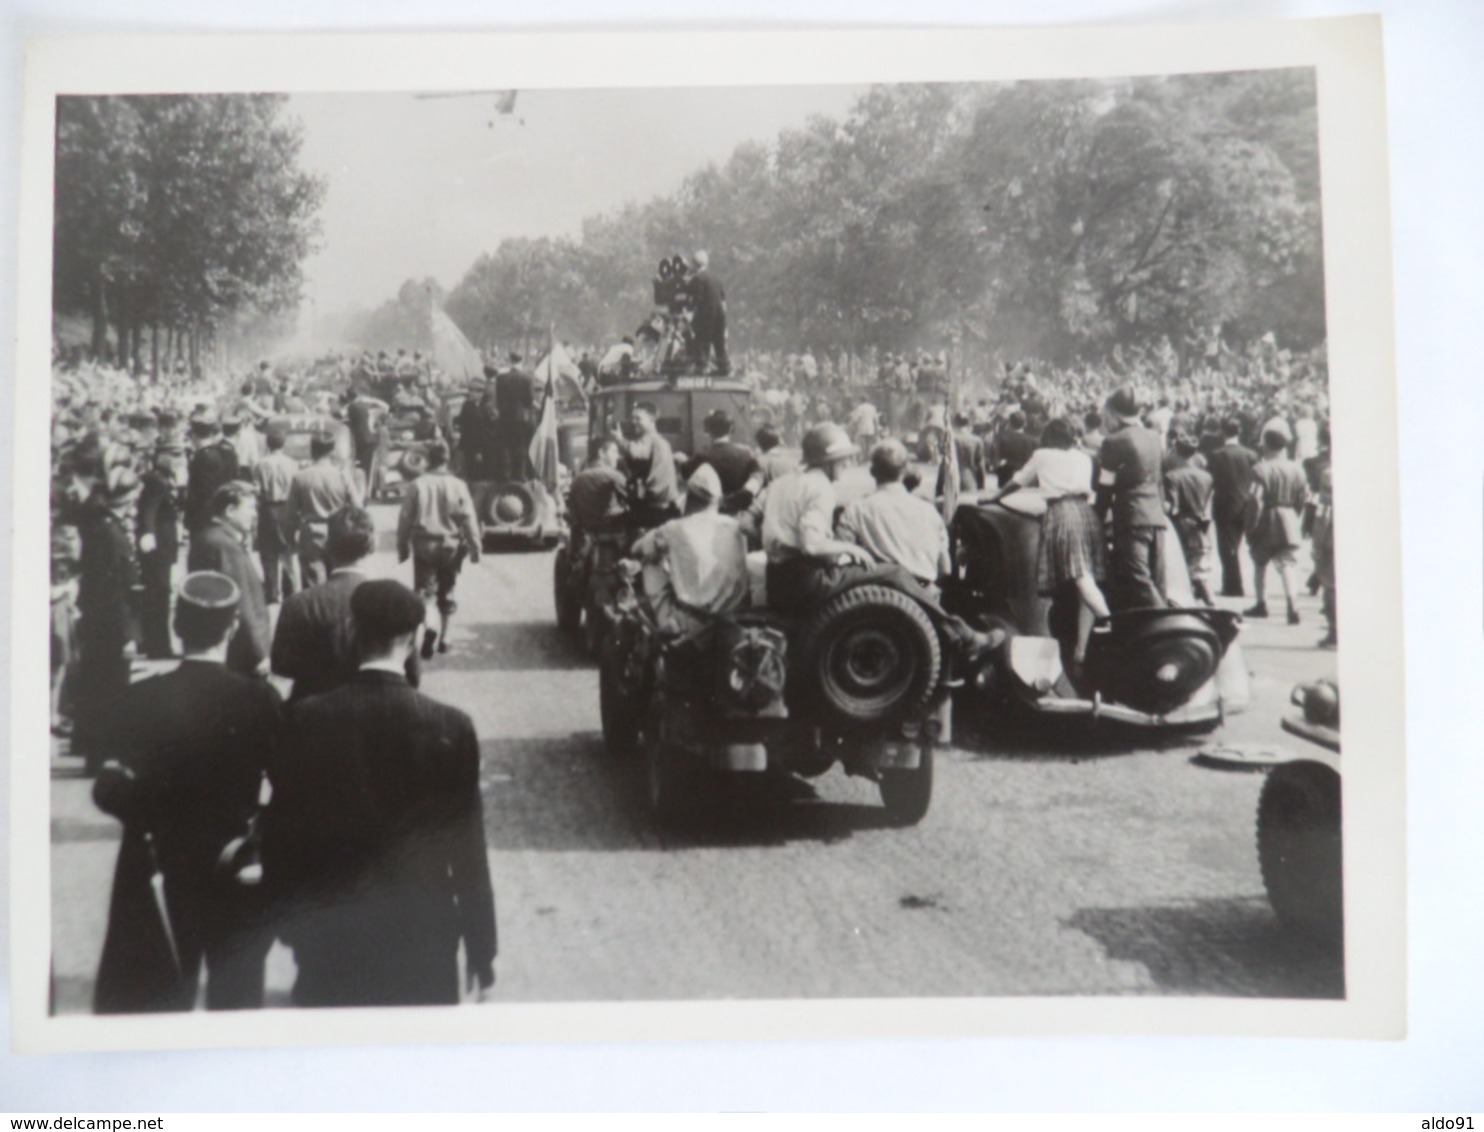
(1435,63)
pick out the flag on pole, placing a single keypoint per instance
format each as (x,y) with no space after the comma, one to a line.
(544,451)
(950,470)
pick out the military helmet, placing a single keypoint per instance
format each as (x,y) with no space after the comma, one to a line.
(825,444)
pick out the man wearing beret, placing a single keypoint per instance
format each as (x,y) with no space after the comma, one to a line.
(374,840)
(187,753)
(1129,481)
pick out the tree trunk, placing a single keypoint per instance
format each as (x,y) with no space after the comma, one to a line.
(154,352)
(100,316)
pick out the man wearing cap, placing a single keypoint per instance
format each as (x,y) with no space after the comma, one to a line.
(214,464)
(315,494)
(696,566)
(374,840)
(222,546)
(709,317)
(735,464)
(273,476)
(189,749)
(158,531)
(107,573)
(1129,474)
(437,528)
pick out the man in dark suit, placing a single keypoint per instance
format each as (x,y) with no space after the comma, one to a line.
(1129,474)
(709,320)
(107,573)
(214,464)
(188,751)
(222,546)
(374,840)
(1012,448)
(515,404)
(1231,467)
(313,644)
(158,531)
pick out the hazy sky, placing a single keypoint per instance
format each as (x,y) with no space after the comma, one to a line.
(423,186)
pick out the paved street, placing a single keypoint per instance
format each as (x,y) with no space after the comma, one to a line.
(1114,869)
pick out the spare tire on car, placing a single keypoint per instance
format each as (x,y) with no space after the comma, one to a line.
(871,654)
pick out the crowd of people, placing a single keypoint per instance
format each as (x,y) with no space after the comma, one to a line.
(181,524)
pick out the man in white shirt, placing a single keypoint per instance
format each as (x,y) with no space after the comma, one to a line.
(807,565)
(695,567)
(864,424)
(894,525)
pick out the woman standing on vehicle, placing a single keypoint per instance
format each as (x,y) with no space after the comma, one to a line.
(1071,550)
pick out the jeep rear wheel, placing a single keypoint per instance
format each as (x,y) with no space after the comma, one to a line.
(1299,849)
(907,794)
(871,654)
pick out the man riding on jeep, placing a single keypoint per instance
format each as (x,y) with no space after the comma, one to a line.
(807,565)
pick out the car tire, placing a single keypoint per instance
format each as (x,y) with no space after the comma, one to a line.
(1299,850)
(870,655)
(907,794)
(620,718)
(568,602)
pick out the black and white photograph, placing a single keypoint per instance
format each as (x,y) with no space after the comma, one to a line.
(522,543)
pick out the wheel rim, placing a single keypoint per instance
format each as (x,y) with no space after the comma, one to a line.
(869,665)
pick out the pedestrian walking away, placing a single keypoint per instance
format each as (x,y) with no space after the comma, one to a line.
(373,842)
(437,529)
(187,753)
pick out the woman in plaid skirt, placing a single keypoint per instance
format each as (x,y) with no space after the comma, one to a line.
(1071,549)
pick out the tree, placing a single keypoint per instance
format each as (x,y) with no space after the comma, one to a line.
(179,211)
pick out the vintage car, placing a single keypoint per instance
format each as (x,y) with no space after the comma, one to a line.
(862,682)
(1298,822)
(402,438)
(681,406)
(299,428)
(1174,668)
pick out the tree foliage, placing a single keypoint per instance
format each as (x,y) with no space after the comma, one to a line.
(1059,219)
(179,211)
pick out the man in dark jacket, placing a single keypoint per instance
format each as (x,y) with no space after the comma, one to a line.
(158,530)
(1232,472)
(515,402)
(189,750)
(736,464)
(223,547)
(709,320)
(1129,473)
(313,644)
(374,840)
(107,573)
(1012,448)
(214,464)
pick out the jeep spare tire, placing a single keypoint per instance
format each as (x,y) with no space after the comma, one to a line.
(870,655)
